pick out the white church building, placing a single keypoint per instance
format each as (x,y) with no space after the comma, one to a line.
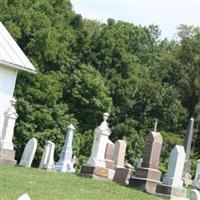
(12,59)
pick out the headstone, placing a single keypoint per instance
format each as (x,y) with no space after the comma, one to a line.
(65,164)
(196,181)
(109,155)
(187,146)
(96,165)
(47,161)
(172,185)
(194,195)
(24,197)
(148,176)
(29,153)
(119,153)
(7,153)
(139,163)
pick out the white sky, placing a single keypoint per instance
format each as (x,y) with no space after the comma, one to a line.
(167,14)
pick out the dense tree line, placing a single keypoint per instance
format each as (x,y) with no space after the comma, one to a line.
(86,68)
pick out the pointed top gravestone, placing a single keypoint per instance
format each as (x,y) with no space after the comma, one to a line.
(148,175)
(187,147)
(172,186)
(65,163)
(29,152)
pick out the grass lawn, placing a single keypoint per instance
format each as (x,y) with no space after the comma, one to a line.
(44,185)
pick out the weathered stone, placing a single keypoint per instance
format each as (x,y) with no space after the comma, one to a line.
(122,175)
(119,153)
(172,182)
(187,146)
(148,176)
(196,181)
(65,164)
(47,161)
(29,152)
(109,155)
(7,153)
(194,195)
(97,159)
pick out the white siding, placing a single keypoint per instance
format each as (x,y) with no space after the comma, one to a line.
(7,86)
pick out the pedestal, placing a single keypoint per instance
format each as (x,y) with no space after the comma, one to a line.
(94,172)
(123,175)
(145,179)
(7,156)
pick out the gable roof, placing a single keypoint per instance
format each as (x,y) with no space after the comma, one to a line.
(10,53)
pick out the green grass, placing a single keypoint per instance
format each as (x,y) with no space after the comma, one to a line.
(44,185)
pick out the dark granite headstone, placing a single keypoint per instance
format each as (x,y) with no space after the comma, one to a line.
(148,175)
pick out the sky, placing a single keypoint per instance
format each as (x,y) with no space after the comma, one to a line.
(167,14)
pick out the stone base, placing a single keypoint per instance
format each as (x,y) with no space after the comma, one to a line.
(111,173)
(148,173)
(122,175)
(170,192)
(7,156)
(94,172)
(146,185)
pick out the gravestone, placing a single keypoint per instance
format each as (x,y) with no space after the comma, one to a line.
(194,195)
(119,153)
(65,163)
(139,162)
(24,197)
(96,165)
(29,152)
(196,181)
(7,152)
(187,146)
(109,155)
(47,161)
(148,176)
(172,185)
(12,60)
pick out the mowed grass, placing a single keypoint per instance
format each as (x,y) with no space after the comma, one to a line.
(44,185)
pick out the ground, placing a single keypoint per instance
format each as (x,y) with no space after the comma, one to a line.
(42,185)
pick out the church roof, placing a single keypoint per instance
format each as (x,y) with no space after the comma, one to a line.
(10,53)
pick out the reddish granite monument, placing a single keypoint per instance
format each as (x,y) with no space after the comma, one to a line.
(148,175)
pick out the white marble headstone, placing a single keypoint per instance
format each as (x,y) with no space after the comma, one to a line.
(196,181)
(29,152)
(175,167)
(66,163)
(24,197)
(47,161)
(102,133)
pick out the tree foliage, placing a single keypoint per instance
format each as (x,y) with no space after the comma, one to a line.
(86,68)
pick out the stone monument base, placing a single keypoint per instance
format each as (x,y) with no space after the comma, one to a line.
(94,172)
(169,192)
(145,179)
(111,173)
(7,156)
(146,185)
(122,175)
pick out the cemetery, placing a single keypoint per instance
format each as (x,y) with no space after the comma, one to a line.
(78,124)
